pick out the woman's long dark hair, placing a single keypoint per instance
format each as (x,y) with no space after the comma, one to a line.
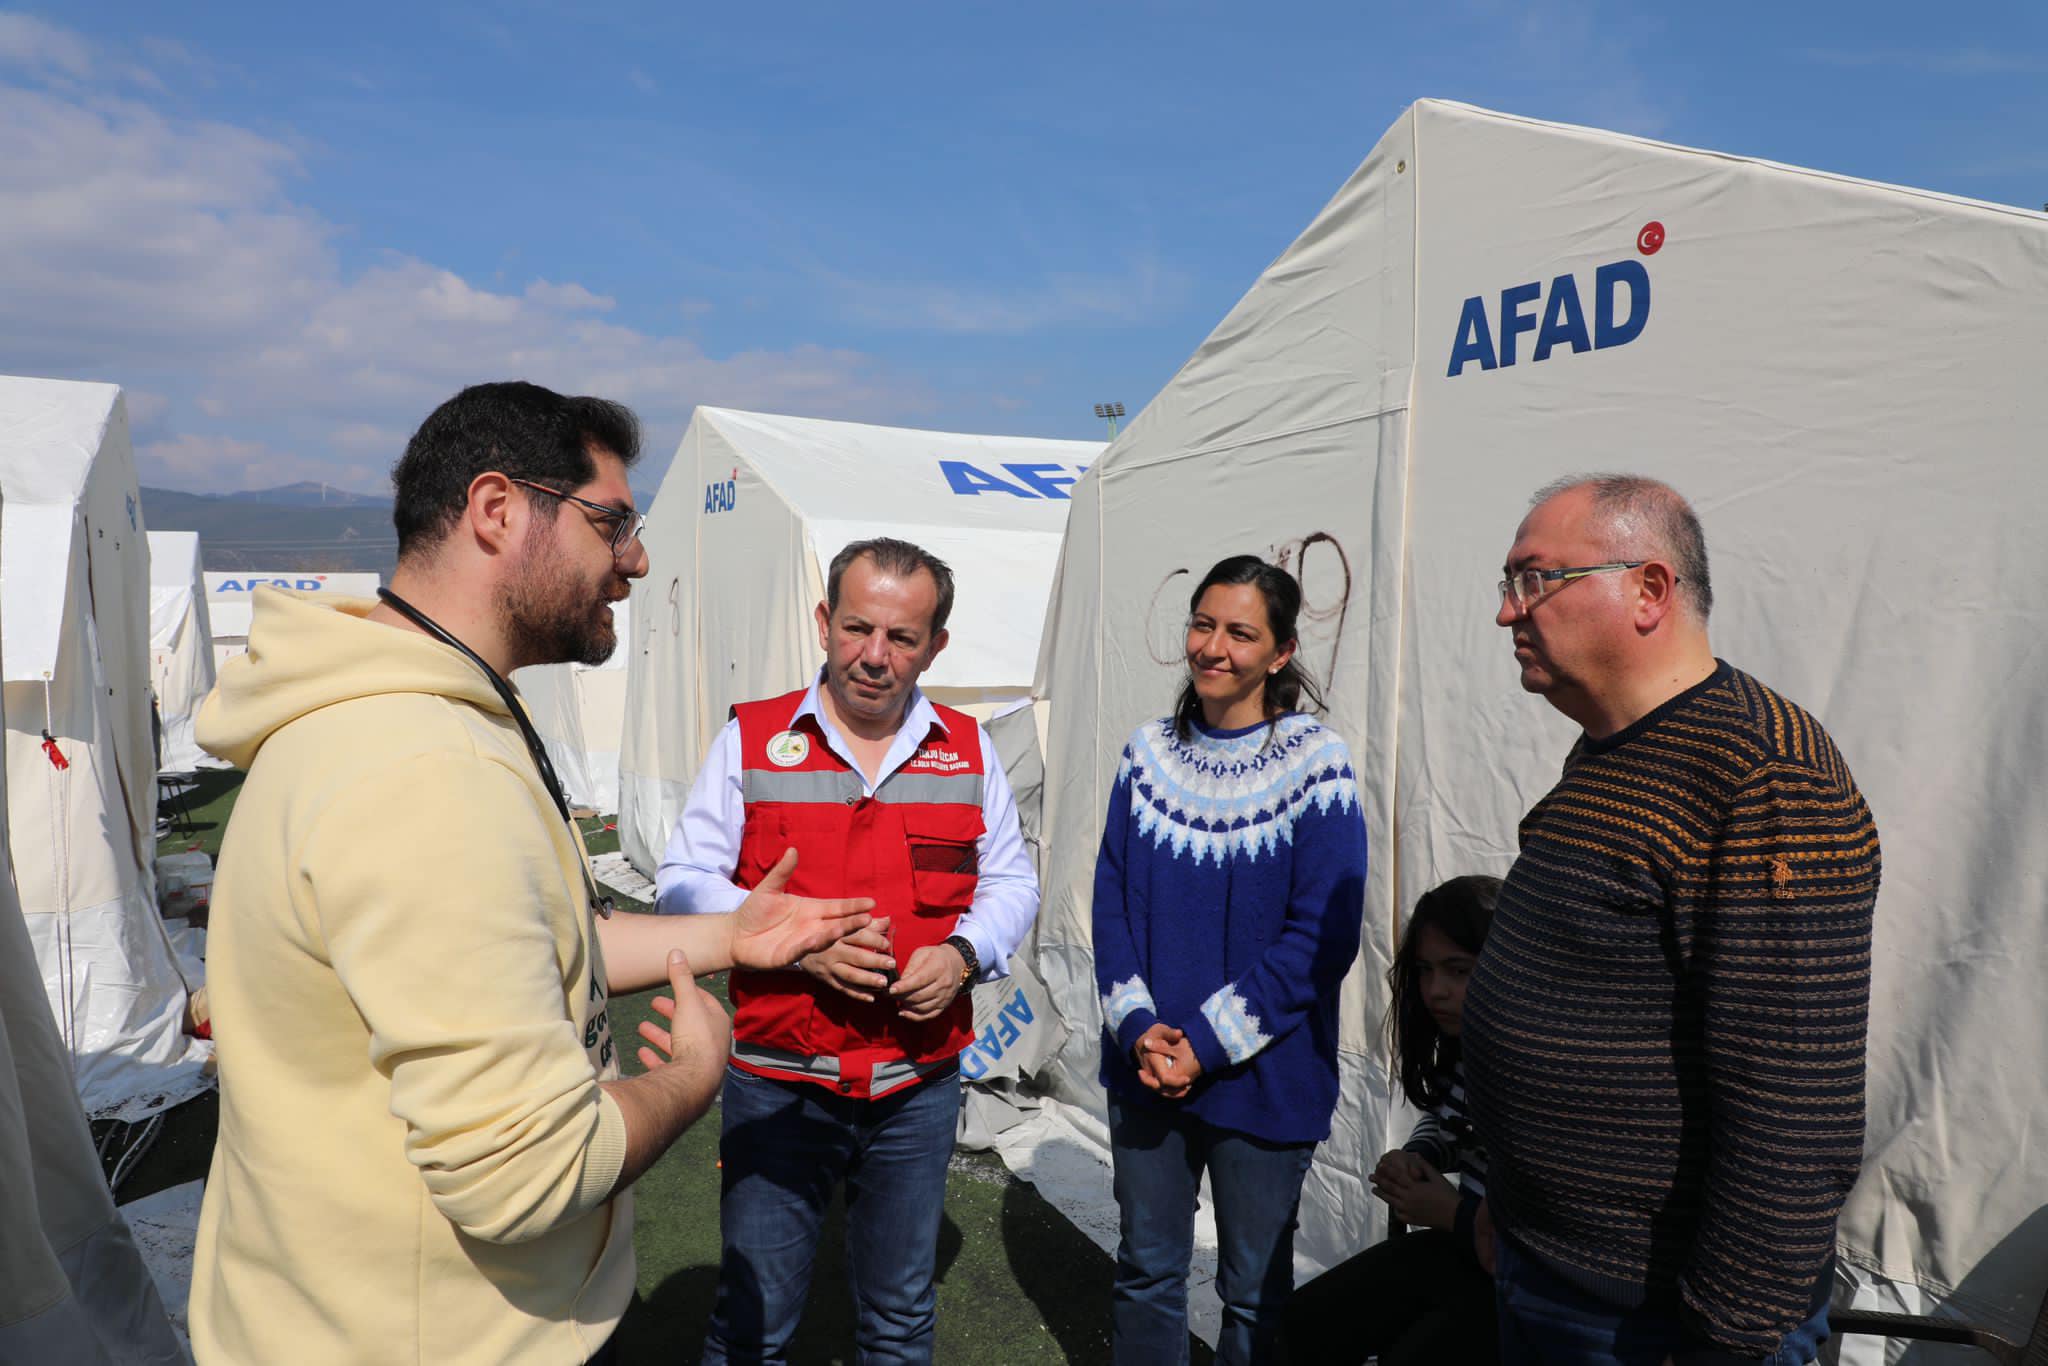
(1289,688)
(1462,911)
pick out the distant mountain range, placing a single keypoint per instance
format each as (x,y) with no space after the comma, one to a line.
(312,527)
(305,495)
(309,526)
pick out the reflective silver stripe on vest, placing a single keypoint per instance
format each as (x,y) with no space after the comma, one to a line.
(772,785)
(885,1077)
(844,787)
(935,789)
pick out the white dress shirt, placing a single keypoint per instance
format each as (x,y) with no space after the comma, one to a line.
(696,869)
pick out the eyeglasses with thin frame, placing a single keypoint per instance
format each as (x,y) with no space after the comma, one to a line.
(1527,587)
(627,525)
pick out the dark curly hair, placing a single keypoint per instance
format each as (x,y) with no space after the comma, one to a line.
(518,429)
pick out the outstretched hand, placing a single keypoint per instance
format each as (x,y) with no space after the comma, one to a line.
(772,929)
(699,1033)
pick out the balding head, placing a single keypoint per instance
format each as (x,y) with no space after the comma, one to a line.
(1638,518)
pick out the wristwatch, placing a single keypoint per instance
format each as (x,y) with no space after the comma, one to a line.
(972,961)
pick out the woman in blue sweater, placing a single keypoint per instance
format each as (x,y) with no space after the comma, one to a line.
(1228,896)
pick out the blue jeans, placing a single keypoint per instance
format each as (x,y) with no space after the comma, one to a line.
(1547,1321)
(784,1147)
(1160,1155)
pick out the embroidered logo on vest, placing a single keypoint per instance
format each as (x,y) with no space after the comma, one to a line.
(788,748)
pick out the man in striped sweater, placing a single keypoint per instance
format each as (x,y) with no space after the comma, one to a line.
(1665,1033)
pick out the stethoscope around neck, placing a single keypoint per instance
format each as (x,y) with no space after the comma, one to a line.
(599,902)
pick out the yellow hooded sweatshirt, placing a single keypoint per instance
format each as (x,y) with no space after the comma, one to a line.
(415,1157)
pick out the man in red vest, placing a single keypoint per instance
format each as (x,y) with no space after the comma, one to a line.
(845,1064)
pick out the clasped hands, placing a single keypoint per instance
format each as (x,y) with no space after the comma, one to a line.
(1415,1191)
(1166,1061)
(840,944)
(1418,1193)
(857,966)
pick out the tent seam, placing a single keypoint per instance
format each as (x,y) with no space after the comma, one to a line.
(1221,446)
(1801,172)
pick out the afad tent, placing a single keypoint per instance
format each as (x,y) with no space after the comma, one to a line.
(580,712)
(1843,376)
(231,598)
(73,1287)
(749,517)
(180,645)
(81,771)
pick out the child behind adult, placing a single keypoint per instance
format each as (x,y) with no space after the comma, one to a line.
(1423,1297)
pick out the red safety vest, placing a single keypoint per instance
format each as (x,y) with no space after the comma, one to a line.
(911,846)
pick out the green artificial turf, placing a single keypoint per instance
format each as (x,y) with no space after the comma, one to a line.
(1017,1282)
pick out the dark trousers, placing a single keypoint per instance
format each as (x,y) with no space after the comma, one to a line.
(1415,1300)
(1545,1320)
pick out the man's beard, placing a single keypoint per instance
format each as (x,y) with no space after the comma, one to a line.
(549,617)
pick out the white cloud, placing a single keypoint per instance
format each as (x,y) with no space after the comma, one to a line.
(568,298)
(147,248)
(1599,43)
(171,55)
(1140,292)
(367,439)
(26,41)
(146,412)
(194,460)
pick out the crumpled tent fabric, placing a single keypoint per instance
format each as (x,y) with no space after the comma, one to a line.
(580,712)
(73,1288)
(74,646)
(749,516)
(1842,376)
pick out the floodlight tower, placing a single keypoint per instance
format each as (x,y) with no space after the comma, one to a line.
(1110,412)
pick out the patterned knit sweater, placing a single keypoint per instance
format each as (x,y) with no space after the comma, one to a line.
(1664,1037)
(1229,894)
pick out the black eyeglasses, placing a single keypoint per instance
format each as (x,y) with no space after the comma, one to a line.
(1527,587)
(627,524)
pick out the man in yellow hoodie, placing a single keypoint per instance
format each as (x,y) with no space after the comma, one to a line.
(425,1144)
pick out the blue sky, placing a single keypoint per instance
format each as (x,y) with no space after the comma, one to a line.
(290,230)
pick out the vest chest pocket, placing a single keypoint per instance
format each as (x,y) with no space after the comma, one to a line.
(945,858)
(762,840)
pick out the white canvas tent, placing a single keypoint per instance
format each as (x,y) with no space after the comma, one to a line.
(750,515)
(580,712)
(180,645)
(1844,377)
(74,643)
(73,1287)
(231,598)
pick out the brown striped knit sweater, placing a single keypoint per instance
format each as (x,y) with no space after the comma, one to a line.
(1664,1036)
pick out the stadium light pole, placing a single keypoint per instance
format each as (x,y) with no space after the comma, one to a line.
(1110,412)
